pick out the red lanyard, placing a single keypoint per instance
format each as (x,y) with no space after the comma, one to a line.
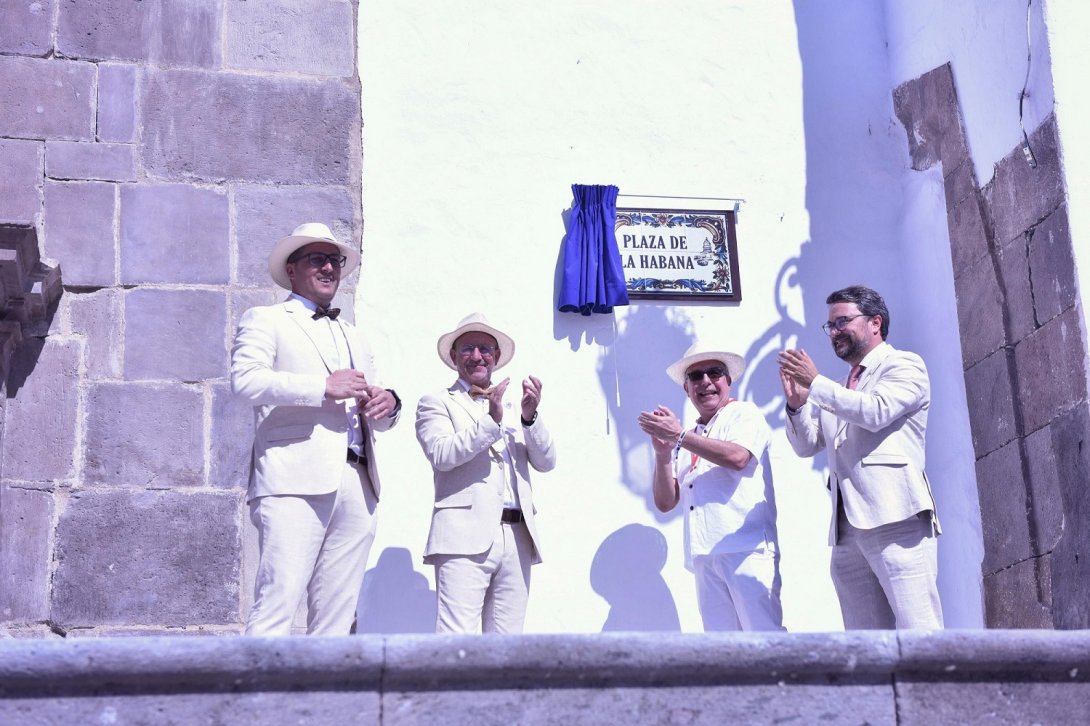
(696,458)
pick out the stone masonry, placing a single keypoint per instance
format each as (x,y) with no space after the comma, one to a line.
(154,150)
(906,678)
(1024,348)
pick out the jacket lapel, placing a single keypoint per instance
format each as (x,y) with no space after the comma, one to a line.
(462,399)
(841,424)
(866,380)
(297,313)
(355,355)
(474,409)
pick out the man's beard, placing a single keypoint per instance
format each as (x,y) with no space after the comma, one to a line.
(847,347)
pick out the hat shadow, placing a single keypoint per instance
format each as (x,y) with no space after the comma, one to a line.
(627,573)
(396,598)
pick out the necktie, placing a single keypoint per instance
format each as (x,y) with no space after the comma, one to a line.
(330,313)
(853,376)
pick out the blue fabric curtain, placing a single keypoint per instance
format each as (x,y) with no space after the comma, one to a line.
(593,279)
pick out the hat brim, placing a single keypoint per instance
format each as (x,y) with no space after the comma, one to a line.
(504,341)
(282,250)
(734,363)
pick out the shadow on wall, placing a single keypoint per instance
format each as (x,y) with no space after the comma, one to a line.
(396,598)
(761,384)
(632,373)
(627,573)
(25,358)
(855,158)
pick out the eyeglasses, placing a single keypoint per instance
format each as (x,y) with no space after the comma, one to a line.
(713,374)
(486,350)
(318,259)
(840,323)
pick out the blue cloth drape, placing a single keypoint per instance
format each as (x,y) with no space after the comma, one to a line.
(593,280)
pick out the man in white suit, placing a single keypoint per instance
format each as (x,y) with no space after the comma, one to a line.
(483,538)
(873,424)
(313,483)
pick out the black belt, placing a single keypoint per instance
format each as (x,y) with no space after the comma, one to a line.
(512,516)
(354,458)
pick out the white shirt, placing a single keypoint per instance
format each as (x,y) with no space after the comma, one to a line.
(339,351)
(728,510)
(510,495)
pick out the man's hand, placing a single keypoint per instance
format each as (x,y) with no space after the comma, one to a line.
(376,403)
(797,372)
(798,367)
(663,426)
(531,397)
(495,400)
(345,383)
(795,394)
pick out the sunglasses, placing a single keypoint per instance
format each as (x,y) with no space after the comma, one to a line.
(714,374)
(318,259)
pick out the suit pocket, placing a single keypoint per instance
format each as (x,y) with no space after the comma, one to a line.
(884,460)
(459,498)
(288,433)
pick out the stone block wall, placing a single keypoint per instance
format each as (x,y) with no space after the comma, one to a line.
(155,150)
(1024,353)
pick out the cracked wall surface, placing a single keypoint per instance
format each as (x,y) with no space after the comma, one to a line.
(1023,355)
(156,150)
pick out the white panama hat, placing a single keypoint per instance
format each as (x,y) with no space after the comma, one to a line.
(475,323)
(303,235)
(698,351)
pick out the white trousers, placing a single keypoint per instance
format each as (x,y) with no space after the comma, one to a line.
(887,577)
(739,590)
(486,592)
(316,545)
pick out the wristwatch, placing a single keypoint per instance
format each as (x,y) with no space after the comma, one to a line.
(397,402)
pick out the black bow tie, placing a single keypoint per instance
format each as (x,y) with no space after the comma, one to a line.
(331,313)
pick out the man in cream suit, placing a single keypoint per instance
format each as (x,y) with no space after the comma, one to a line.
(313,483)
(884,528)
(483,538)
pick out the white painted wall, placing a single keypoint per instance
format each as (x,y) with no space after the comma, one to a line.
(478,118)
(1068,28)
(987,45)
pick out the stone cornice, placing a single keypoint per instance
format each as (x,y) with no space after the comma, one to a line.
(937,677)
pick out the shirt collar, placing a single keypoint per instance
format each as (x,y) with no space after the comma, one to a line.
(308,304)
(876,354)
(464,384)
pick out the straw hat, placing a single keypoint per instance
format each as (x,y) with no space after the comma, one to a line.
(303,235)
(698,351)
(475,323)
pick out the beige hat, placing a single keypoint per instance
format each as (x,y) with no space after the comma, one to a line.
(698,351)
(303,235)
(475,323)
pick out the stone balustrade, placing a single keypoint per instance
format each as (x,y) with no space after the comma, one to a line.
(859,677)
